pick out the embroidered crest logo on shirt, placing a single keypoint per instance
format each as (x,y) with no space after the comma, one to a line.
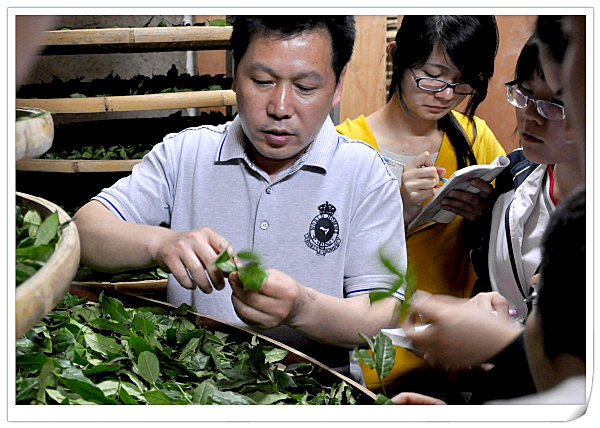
(323,232)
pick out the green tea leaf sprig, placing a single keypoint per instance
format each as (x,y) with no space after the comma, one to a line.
(408,279)
(381,358)
(251,273)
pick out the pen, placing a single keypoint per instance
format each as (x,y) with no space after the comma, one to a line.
(391,161)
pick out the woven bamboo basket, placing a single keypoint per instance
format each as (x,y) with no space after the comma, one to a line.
(34,136)
(39,294)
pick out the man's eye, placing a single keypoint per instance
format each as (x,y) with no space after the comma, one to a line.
(261,82)
(305,89)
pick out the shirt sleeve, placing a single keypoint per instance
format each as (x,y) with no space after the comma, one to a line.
(145,196)
(376,225)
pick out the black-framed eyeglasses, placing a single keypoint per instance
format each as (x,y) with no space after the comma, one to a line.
(546,109)
(432,84)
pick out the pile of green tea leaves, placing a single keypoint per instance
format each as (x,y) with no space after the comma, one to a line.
(114,85)
(21,115)
(118,152)
(88,353)
(36,241)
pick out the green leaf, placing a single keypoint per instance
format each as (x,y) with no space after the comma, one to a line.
(252,276)
(224,262)
(385,355)
(125,397)
(261,397)
(219,22)
(114,308)
(144,322)
(32,218)
(204,392)
(364,356)
(47,230)
(377,294)
(189,349)
(77,95)
(382,399)
(26,389)
(33,362)
(105,324)
(148,366)
(102,368)
(157,396)
(44,380)
(274,354)
(84,387)
(102,344)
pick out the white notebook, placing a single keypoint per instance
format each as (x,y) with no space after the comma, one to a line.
(432,211)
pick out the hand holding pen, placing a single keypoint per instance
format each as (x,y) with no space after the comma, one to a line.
(420,180)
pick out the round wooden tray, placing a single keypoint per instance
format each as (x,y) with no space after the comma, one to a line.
(39,294)
(33,137)
(79,165)
(165,101)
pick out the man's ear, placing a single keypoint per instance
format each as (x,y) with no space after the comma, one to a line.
(337,95)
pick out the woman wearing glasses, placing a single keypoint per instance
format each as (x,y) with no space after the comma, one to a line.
(541,174)
(438,63)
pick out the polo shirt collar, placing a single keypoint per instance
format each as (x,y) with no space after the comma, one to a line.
(318,154)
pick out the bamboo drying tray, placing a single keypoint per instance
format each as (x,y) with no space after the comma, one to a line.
(177,100)
(322,373)
(78,165)
(68,42)
(39,294)
(34,136)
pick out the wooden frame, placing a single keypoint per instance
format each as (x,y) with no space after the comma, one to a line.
(72,42)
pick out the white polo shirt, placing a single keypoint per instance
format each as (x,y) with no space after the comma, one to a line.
(322,221)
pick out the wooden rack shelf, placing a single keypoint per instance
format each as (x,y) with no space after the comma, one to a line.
(124,40)
(176,100)
(78,165)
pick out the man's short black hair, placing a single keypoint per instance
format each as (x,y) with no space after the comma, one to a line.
(550,33)
(341,29)
(562,294)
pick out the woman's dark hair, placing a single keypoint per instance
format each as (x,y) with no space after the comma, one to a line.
(471,42)
(563,270)
(341,29)
(549,31)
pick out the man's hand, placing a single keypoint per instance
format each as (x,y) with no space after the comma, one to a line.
(189,255)
(466,204)
(415,398)
(420,180)
(278,300)
(461,334)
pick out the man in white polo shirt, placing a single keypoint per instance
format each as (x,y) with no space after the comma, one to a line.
(277,180)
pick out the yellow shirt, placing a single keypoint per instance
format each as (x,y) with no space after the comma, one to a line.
(437,254)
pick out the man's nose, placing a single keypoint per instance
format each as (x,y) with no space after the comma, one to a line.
(530,112)
(280,102)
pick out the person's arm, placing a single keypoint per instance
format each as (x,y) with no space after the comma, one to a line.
(111,244)
(461,333)
(328,319)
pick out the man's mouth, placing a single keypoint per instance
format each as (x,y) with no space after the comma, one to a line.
(530,138)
